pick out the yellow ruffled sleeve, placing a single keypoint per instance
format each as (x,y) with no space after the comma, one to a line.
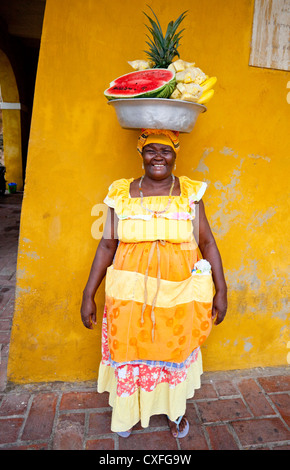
(118,189)
(191,189)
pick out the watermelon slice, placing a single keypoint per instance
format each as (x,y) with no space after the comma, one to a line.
(150,83)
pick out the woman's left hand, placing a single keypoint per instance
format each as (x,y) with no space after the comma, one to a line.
(219,307)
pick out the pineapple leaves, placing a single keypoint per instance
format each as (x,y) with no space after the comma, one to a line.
(162,49)
(158,24)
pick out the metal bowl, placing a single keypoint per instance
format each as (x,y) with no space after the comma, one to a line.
(157,113)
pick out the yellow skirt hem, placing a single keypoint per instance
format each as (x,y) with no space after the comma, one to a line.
(141,405)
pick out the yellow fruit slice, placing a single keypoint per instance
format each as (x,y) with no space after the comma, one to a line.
(171,67)
(193,88)
(181,87)
(180,76)
(188,65)
(178,65)
(176,94)
(191,75)
(188,97)
(140,64)
(206,96)
(209,83)
(188,77)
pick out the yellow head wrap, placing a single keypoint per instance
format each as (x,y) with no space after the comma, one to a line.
(158,136)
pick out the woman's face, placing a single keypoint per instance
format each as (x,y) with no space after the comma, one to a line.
(158,160)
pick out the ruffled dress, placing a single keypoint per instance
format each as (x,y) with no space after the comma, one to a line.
(157,311)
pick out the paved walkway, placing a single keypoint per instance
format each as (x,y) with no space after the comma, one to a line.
(234,410)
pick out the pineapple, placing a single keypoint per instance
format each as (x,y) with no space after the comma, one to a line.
(192,84)
(162,49)
(140,64)
(180,65)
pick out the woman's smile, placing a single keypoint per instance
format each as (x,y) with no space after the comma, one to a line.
(158,159)
(159,165)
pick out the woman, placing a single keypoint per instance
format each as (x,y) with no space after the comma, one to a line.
(159,306)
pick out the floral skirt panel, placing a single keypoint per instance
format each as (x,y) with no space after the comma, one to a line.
(139,391)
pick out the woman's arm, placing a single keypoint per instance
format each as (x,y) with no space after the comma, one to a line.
(103,259)
(210,252)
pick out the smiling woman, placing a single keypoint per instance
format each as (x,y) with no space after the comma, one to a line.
(159,306)
(158,157)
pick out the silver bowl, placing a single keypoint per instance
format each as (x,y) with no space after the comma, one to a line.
(157,113)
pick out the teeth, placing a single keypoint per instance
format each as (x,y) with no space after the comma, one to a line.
(158,165)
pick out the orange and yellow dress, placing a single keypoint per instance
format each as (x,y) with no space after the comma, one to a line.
(157,311)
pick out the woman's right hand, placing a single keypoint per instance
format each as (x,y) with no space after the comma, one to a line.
(88,312)
(103,259)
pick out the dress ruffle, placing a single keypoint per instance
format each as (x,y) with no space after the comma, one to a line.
(181,207)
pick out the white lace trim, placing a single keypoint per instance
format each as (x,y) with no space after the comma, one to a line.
(170,215)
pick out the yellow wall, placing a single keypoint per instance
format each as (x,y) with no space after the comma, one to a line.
(11,124)
(77,149)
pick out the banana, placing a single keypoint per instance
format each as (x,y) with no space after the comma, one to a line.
(206,96)
(209,83)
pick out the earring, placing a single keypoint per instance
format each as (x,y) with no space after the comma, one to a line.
(143,166)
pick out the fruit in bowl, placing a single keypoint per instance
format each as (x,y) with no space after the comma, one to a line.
(163,74)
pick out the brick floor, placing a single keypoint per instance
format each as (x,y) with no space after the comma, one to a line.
(233,410)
